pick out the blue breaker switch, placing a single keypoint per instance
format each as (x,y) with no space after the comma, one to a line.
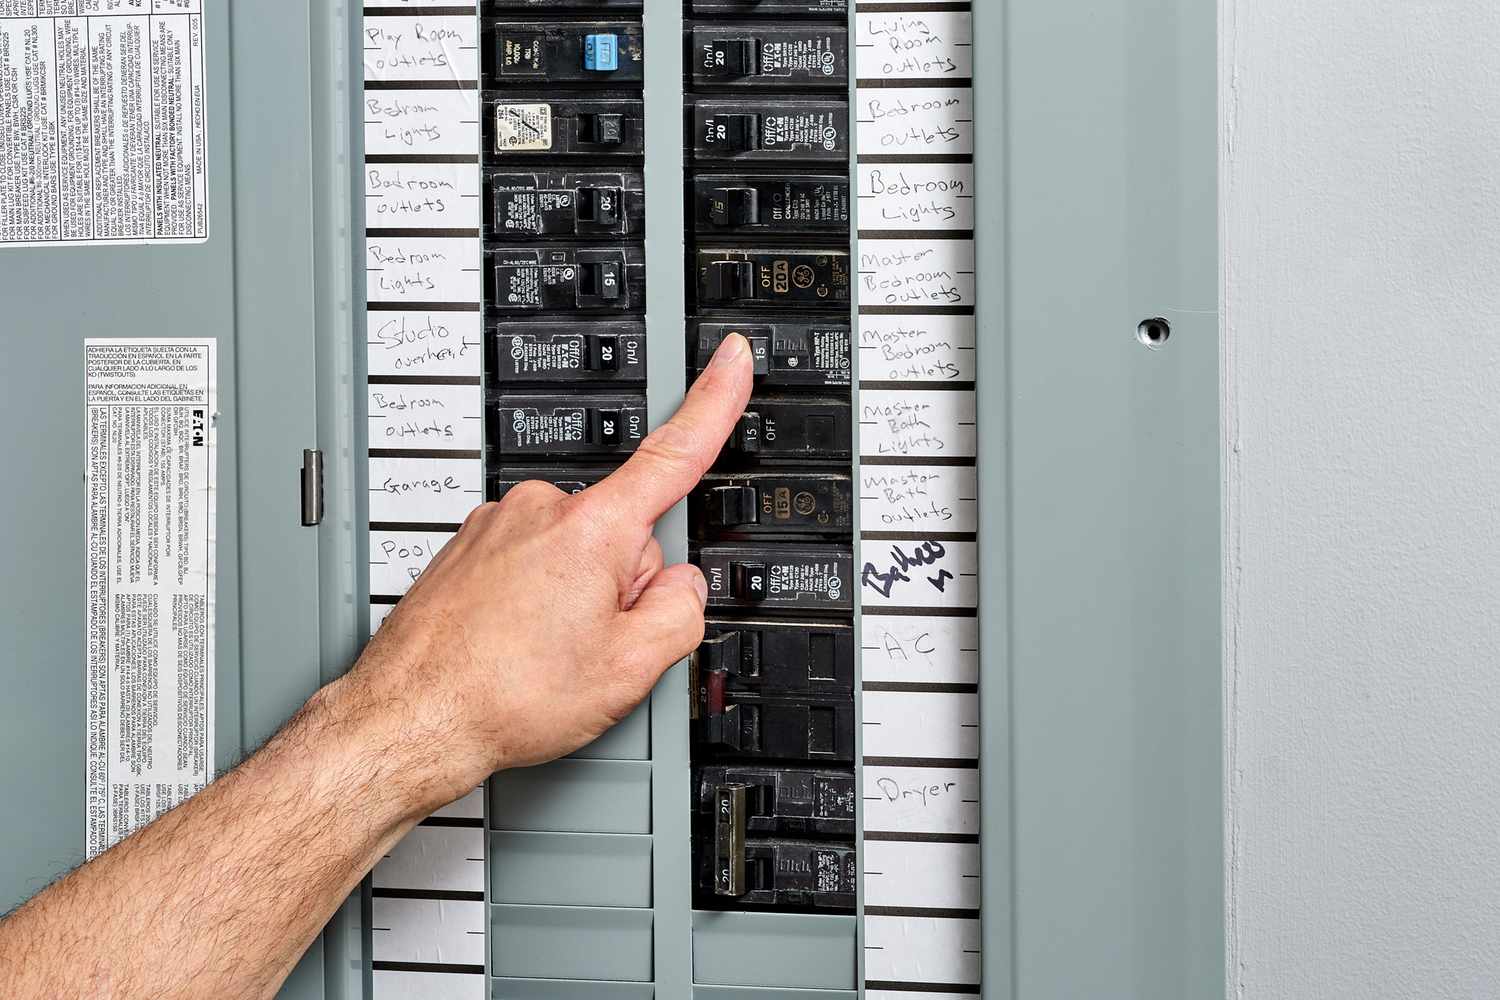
(601,53)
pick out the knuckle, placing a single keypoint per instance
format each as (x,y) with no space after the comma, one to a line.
(532,491)
(481,515)
(673,445)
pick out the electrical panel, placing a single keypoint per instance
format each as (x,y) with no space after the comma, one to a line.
(481,243)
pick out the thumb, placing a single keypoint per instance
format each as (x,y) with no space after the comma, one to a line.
(666,623)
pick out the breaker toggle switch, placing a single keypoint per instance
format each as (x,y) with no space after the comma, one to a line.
(748,434)
(598,205)
(728,58)
(602,128)
(600,280)
(750,581)
(734,207)
(733,506)
(729,840)
(601,53)
(728,281)
(606,353)
(734,132)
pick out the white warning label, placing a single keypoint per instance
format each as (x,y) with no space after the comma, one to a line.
(102,122)
(151,449)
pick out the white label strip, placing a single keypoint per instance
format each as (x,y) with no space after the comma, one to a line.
(909,348)
(471,806)
(936,876)
(919,574)
(915,121)
(914,46)
(421,122)
(921,950)
(423,417)
(397,558)
(105,137)
(378,614)
(921,724)
(425,342)
(421,48)
(895,423)
(921,800)
(916,274)
(447,858)
(918,498)
(150,483)
(423,269)
(901,649)
(422,196)
(388,985)
(445,931)
(432,288)
(425,490)
(921,197)
(911,268)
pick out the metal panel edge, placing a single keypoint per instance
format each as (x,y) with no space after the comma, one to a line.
(666,314)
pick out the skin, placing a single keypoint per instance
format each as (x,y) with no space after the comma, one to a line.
(545,621)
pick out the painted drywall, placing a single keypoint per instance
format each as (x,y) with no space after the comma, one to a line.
(1361,227)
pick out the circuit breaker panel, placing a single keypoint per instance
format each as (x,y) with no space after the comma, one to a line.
(570,205)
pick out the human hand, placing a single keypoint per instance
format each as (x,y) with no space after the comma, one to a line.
(548,618)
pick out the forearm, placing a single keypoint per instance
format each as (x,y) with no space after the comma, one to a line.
(220,897)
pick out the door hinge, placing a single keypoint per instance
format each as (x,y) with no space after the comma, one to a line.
(312,487)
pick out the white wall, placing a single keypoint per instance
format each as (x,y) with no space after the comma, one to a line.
(1361,223)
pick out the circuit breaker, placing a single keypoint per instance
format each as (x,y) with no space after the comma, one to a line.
(956,545)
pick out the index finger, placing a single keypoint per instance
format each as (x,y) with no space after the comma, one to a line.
(669,463)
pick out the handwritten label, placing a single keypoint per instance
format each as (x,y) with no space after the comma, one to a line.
(422,342)
(425,490)
(425,122)
(916,196)
(922,949)
(921,799)
(939,876)
(939,726)
(920,574)
(421,48)
(919,498)
(397,558)
(907,121)
(422,196)
(914,46)
(422,269)
(922,424)
(916,274)
(910,348)
(903,648)
(422,417)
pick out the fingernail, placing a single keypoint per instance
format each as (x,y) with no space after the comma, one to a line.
(729,351)
(701,586)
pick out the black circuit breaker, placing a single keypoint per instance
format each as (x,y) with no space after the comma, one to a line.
(566,204)
(801,354)
(767,137)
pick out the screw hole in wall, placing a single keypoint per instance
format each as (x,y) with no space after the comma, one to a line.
(1154,332)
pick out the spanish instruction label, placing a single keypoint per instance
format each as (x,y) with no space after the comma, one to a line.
(102,122)
(150,451)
